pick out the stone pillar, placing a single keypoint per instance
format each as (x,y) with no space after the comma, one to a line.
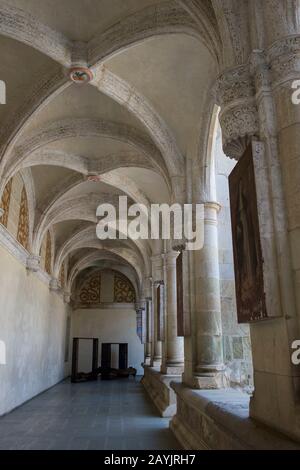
(276,379)
(256,107)
(208,370)
(157,275)
(173,358)
(148,333)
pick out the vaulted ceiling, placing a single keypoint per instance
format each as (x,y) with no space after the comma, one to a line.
(134,125)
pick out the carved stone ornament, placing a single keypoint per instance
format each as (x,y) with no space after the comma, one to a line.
(284,60)
(80,75)
(235,94)
(33,263)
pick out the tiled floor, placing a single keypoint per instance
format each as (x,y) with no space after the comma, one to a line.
(110,415)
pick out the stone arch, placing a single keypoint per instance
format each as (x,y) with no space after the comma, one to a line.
(84,128)
(149,22)
(123,254)
(19,25)
(87,238)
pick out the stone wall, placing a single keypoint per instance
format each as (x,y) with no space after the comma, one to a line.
(110,325)
(33,328)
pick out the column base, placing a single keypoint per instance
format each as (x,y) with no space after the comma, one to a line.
(155,362)
(167,369)
(219,420)
(158,388)
(147,362)
(209,381)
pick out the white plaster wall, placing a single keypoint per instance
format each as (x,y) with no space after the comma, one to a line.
(33,328)
(112,325)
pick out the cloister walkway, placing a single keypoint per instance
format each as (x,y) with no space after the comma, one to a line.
(109,415)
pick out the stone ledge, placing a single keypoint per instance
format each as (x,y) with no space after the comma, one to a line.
(158,388)
(219,420)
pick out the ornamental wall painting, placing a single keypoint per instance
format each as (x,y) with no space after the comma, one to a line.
(23,226)
(90,291)
(5,201)
(248,260)
(48,257)
(123,289)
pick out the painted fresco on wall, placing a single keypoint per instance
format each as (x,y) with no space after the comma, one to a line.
(120,290)
(123,289)
(23,227)
(5,201)
(248,261)
(90,291)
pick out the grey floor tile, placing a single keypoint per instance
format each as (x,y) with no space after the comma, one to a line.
(110,415)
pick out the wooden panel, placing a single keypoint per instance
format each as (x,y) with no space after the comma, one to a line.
(75,359)
(106,355)
(95,354)
(248,260)
(123,356)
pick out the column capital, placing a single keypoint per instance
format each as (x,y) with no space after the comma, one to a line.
(140,305)
(212,205)
(284,60)
(33,263)
(54,284)
(170,257)
(159,283)
(235,94)
(67,297)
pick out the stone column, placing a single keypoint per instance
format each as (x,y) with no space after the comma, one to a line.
(173,358)
(208,371)
(148,334)
(157,275)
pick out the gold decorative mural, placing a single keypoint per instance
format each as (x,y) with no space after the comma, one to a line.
(5,201)
(90,290)
(23,227)
(123,289)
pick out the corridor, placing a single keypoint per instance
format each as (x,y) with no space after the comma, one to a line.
(106,415)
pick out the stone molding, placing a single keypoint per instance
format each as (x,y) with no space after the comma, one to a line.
(157,385)
(13,246)
(30,262)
